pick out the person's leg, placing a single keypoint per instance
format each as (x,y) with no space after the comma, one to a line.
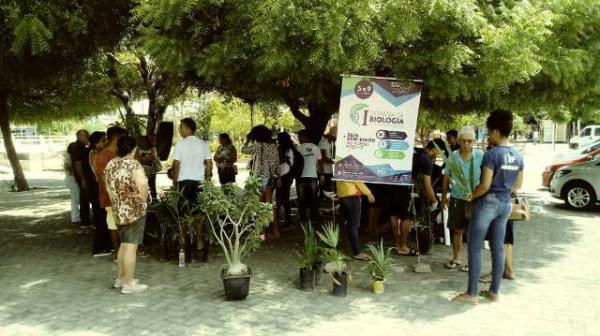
(301,190)
(268,198)
(482,217)
(313,190)
(352,209)
(395,232)
(508,270)
(152,186)
(84,206)
(456,245)
(101,236)
(405,225)
(74,191)
(129,259)
(120,264)
(497,232)
(287,208)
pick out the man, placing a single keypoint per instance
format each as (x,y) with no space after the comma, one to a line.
(307,185)
(452,138)
(501,174)
(113,135)
(83,174)
(397,200)
(468,160)
(192,164)
(326,145)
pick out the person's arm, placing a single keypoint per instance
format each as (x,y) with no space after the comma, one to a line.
(429,190)
(175,172)
(518,182)
(208,167)
(484,183)
(365,191)
(248,148)
(319,159)
(141,181)
(445,187)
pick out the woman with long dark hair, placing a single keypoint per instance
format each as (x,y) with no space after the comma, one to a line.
(225,157)
(286,150)
(265,162)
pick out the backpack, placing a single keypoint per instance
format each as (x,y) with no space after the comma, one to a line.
(298,165)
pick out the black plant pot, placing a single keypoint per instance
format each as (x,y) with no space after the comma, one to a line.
(318,267)
(307,279)
(236,286)
(342,288)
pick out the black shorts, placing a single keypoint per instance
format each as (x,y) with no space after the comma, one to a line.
(457,216)
(395,201)
(509,236)
(190,190)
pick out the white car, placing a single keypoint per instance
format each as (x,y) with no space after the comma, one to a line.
(578,184)
(588,135)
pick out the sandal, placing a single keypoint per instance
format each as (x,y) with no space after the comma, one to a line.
(451,265)
(486,278)
(411,253)
(464,268)
(508,276)
(488,295)
(466,298)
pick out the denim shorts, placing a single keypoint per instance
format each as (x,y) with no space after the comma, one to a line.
(133,233)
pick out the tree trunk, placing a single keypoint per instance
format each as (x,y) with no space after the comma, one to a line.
(11,153)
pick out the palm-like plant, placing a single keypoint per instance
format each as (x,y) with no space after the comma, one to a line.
(309,255)
(334,259)
(380,264)
(456,173)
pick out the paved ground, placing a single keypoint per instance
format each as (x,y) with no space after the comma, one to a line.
(50,285)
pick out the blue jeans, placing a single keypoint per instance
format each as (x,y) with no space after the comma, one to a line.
(351,207)
(489,213)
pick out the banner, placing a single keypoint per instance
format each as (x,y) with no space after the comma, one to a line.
(376,130)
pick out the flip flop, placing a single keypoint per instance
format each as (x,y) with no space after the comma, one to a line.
(464,268)
(488,295)
(464,298)
(451,265)
(411,253)
(486,278)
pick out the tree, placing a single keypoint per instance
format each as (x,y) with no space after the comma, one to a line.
(47,66)
(473,55)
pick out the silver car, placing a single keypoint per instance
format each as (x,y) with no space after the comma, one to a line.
(578,184)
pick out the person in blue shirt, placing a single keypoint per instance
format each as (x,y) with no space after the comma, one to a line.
(501,174)
(468,160)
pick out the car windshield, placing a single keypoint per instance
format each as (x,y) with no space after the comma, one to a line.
(591,148)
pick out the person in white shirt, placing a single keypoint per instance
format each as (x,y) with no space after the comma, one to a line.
(307,186)
(192,164)
(326,145)
(71,184)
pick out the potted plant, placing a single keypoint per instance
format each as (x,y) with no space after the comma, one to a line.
(334,260)
(308,259)
(236,218)
(379,266)
(175,219)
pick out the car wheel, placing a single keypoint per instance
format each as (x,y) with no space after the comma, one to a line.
(580,195)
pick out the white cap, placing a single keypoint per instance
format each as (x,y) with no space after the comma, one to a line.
(466,130)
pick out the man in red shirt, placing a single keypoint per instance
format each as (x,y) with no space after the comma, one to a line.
(113,134)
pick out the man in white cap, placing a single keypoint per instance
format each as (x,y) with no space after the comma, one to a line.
(468,160)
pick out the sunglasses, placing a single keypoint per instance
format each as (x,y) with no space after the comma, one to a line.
(467,140)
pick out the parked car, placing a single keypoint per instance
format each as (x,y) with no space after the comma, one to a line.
(586,136)
(578,185)
(571,157)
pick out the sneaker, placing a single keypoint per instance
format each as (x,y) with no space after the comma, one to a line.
(135,288)
(119,283)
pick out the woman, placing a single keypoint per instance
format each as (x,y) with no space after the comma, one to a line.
(146,154)
(350,194)
(71,184)
(287,151)
(225,157)
(265,162)
(102,244)
(501,174)
(127,186)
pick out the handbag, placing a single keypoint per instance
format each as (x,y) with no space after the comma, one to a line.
(520,209)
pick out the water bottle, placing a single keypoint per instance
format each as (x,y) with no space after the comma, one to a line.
(181,258)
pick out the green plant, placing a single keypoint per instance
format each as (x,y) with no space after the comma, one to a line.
(236,218)
(309,255)
(176,216)
(380,264)
(335,260)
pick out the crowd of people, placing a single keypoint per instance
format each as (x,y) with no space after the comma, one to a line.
(112,177)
